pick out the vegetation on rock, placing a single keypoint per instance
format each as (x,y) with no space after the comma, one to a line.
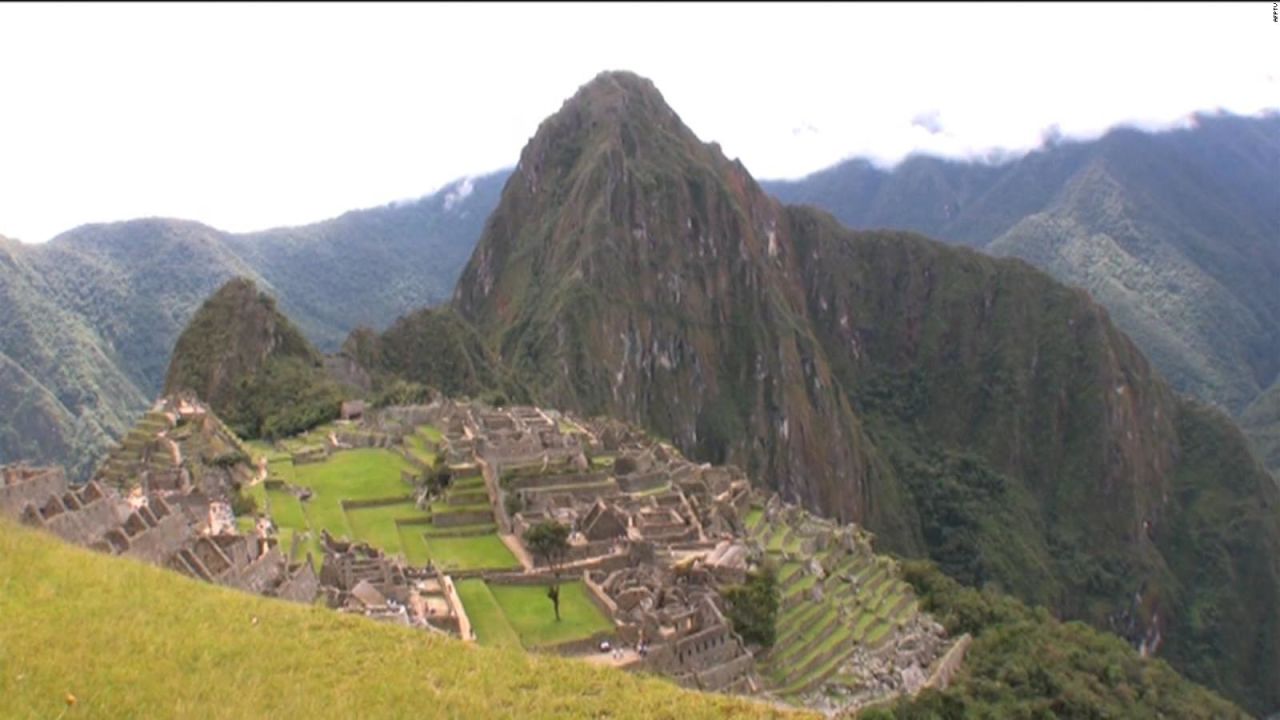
(753,607)
(253,367)
(1024,663)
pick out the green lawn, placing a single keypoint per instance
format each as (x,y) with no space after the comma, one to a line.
(488,622)
(259,494)
(414,544)
(530,613)
(281,470)
(431,433)
(472,483)
(349,475)
(356,474)
(480,552)
(417,445)
(262,448)
(286,510)
(377,525)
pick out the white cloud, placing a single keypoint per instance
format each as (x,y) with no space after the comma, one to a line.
(250,116)
(460,192)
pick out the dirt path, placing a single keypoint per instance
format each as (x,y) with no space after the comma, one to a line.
(628,657)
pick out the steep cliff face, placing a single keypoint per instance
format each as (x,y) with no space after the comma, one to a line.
(634,271)
(964,407)
(252,365)
(1173,232)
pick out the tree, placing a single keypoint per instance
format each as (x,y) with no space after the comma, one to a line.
(549,540)
(753,606)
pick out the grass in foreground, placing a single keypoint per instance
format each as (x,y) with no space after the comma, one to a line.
(531,615)
(131,640)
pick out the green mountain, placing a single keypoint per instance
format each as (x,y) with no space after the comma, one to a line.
(1261,422)
(1174,233)
(436,349)
(964,407)
(1024,663)
(253,367)
(92,315)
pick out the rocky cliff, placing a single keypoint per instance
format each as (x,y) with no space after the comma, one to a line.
(964,407)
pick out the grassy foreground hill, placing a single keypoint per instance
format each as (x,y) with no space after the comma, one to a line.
(126,639)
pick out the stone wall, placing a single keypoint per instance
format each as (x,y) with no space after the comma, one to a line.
(643,483)
(155,544)
(947,666)
(724,675)
(20,485)
(598,596)
(455,519)
(537,482)
(301,585)
(348,505)
(89,514)
(261,573)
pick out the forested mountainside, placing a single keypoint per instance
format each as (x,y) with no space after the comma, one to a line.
(252,365)
(1261,422)
(92,315)
(964,407)
(1176,233)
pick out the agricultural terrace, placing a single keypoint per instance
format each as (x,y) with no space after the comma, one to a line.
(360,494)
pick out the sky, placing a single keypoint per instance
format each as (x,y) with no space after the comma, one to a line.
(250,116)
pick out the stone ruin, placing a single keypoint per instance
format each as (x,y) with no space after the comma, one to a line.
(168,531)
(676,616)
(357,578)
(654,537)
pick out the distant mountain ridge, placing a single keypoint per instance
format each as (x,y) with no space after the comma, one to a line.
(92,315)
(1177,233)
(82,296)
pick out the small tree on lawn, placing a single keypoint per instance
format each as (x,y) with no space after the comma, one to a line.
(549,540)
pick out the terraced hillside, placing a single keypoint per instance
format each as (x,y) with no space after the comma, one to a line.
(178,443)
(843,608)
(371,494)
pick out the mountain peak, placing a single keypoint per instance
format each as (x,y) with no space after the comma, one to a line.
(616,92)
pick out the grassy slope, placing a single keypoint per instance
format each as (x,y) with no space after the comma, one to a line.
(130,640)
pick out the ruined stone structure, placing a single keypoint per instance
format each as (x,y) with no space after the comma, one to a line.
(657,537)
(360,579)
(153,528)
